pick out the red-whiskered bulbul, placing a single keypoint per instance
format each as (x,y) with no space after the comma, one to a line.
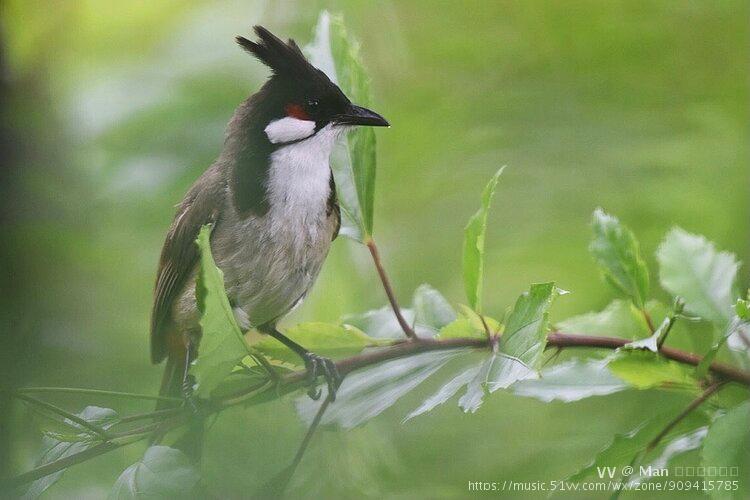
(271,198)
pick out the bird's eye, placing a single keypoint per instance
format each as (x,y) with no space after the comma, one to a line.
(312,104)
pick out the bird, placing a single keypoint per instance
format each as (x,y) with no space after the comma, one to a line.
(270,197)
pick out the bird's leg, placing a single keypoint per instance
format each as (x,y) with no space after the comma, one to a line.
(316,365)
(187,383)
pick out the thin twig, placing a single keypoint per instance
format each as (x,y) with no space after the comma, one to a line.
(710,390)
(93,428)
(408,330)
(308,436)
(98,392)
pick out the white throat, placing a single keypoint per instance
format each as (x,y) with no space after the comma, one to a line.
(299,180)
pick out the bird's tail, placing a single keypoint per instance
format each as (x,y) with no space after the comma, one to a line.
(172,386)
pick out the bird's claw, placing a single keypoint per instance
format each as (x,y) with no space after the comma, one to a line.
(318,365)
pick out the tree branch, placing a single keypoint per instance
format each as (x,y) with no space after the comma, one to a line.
(292,381)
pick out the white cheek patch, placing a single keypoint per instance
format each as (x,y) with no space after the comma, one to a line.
(289,129)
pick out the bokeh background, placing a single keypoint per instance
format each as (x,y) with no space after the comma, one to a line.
(112,109)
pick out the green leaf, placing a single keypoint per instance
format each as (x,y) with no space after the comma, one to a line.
(56,449)
(337,54)
(328,340)
(725,445)
(446,391)
(163,472)
(620,318)
(616,251)
(690,267)
(525,332)
(473,253)
(469,324)
(650,343)
(645,369)
(222,343)
(571,381)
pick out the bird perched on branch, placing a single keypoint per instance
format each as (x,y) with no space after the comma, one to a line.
(271,198)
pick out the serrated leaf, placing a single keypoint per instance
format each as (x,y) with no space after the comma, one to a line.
(690,267)
(337,54)
(499,371)
(163,472)
(726,446)
(367,393)
(571,381)
(473,249)
(324,339)
(525,332)
(616,251)
(645,369)
(55,449)
(222,344)
(447,391)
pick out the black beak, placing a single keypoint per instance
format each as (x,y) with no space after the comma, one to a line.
(358,115)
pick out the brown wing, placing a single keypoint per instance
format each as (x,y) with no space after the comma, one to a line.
(179,255)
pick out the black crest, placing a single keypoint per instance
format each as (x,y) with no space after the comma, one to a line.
(284,59)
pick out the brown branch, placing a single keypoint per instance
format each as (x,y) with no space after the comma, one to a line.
(710,390)
(408,330)
(294,380)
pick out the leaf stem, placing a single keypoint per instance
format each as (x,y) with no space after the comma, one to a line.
(408,330)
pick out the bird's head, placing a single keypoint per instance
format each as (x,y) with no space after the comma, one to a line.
(299,99)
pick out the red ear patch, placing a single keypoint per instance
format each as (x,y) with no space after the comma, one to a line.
(296,111)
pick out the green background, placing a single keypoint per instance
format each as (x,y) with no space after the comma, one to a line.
(116,107)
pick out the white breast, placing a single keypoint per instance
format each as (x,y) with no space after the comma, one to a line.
(299,182)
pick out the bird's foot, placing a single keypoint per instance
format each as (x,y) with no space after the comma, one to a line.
(318,365)
(190,400)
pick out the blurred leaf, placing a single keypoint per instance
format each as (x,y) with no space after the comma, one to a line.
(55,449)
(620,318)
(469,324)
(571,381)
(429,313)
(222,343)
(645,369)
(679,445)
(742,309)
(625,448)
(379,323)
(690,267)
(616,251)
(367,393)
(473,254)
(726,445)
(333,341)
(462,327)
(431,309)
(163,472)
(337,54)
